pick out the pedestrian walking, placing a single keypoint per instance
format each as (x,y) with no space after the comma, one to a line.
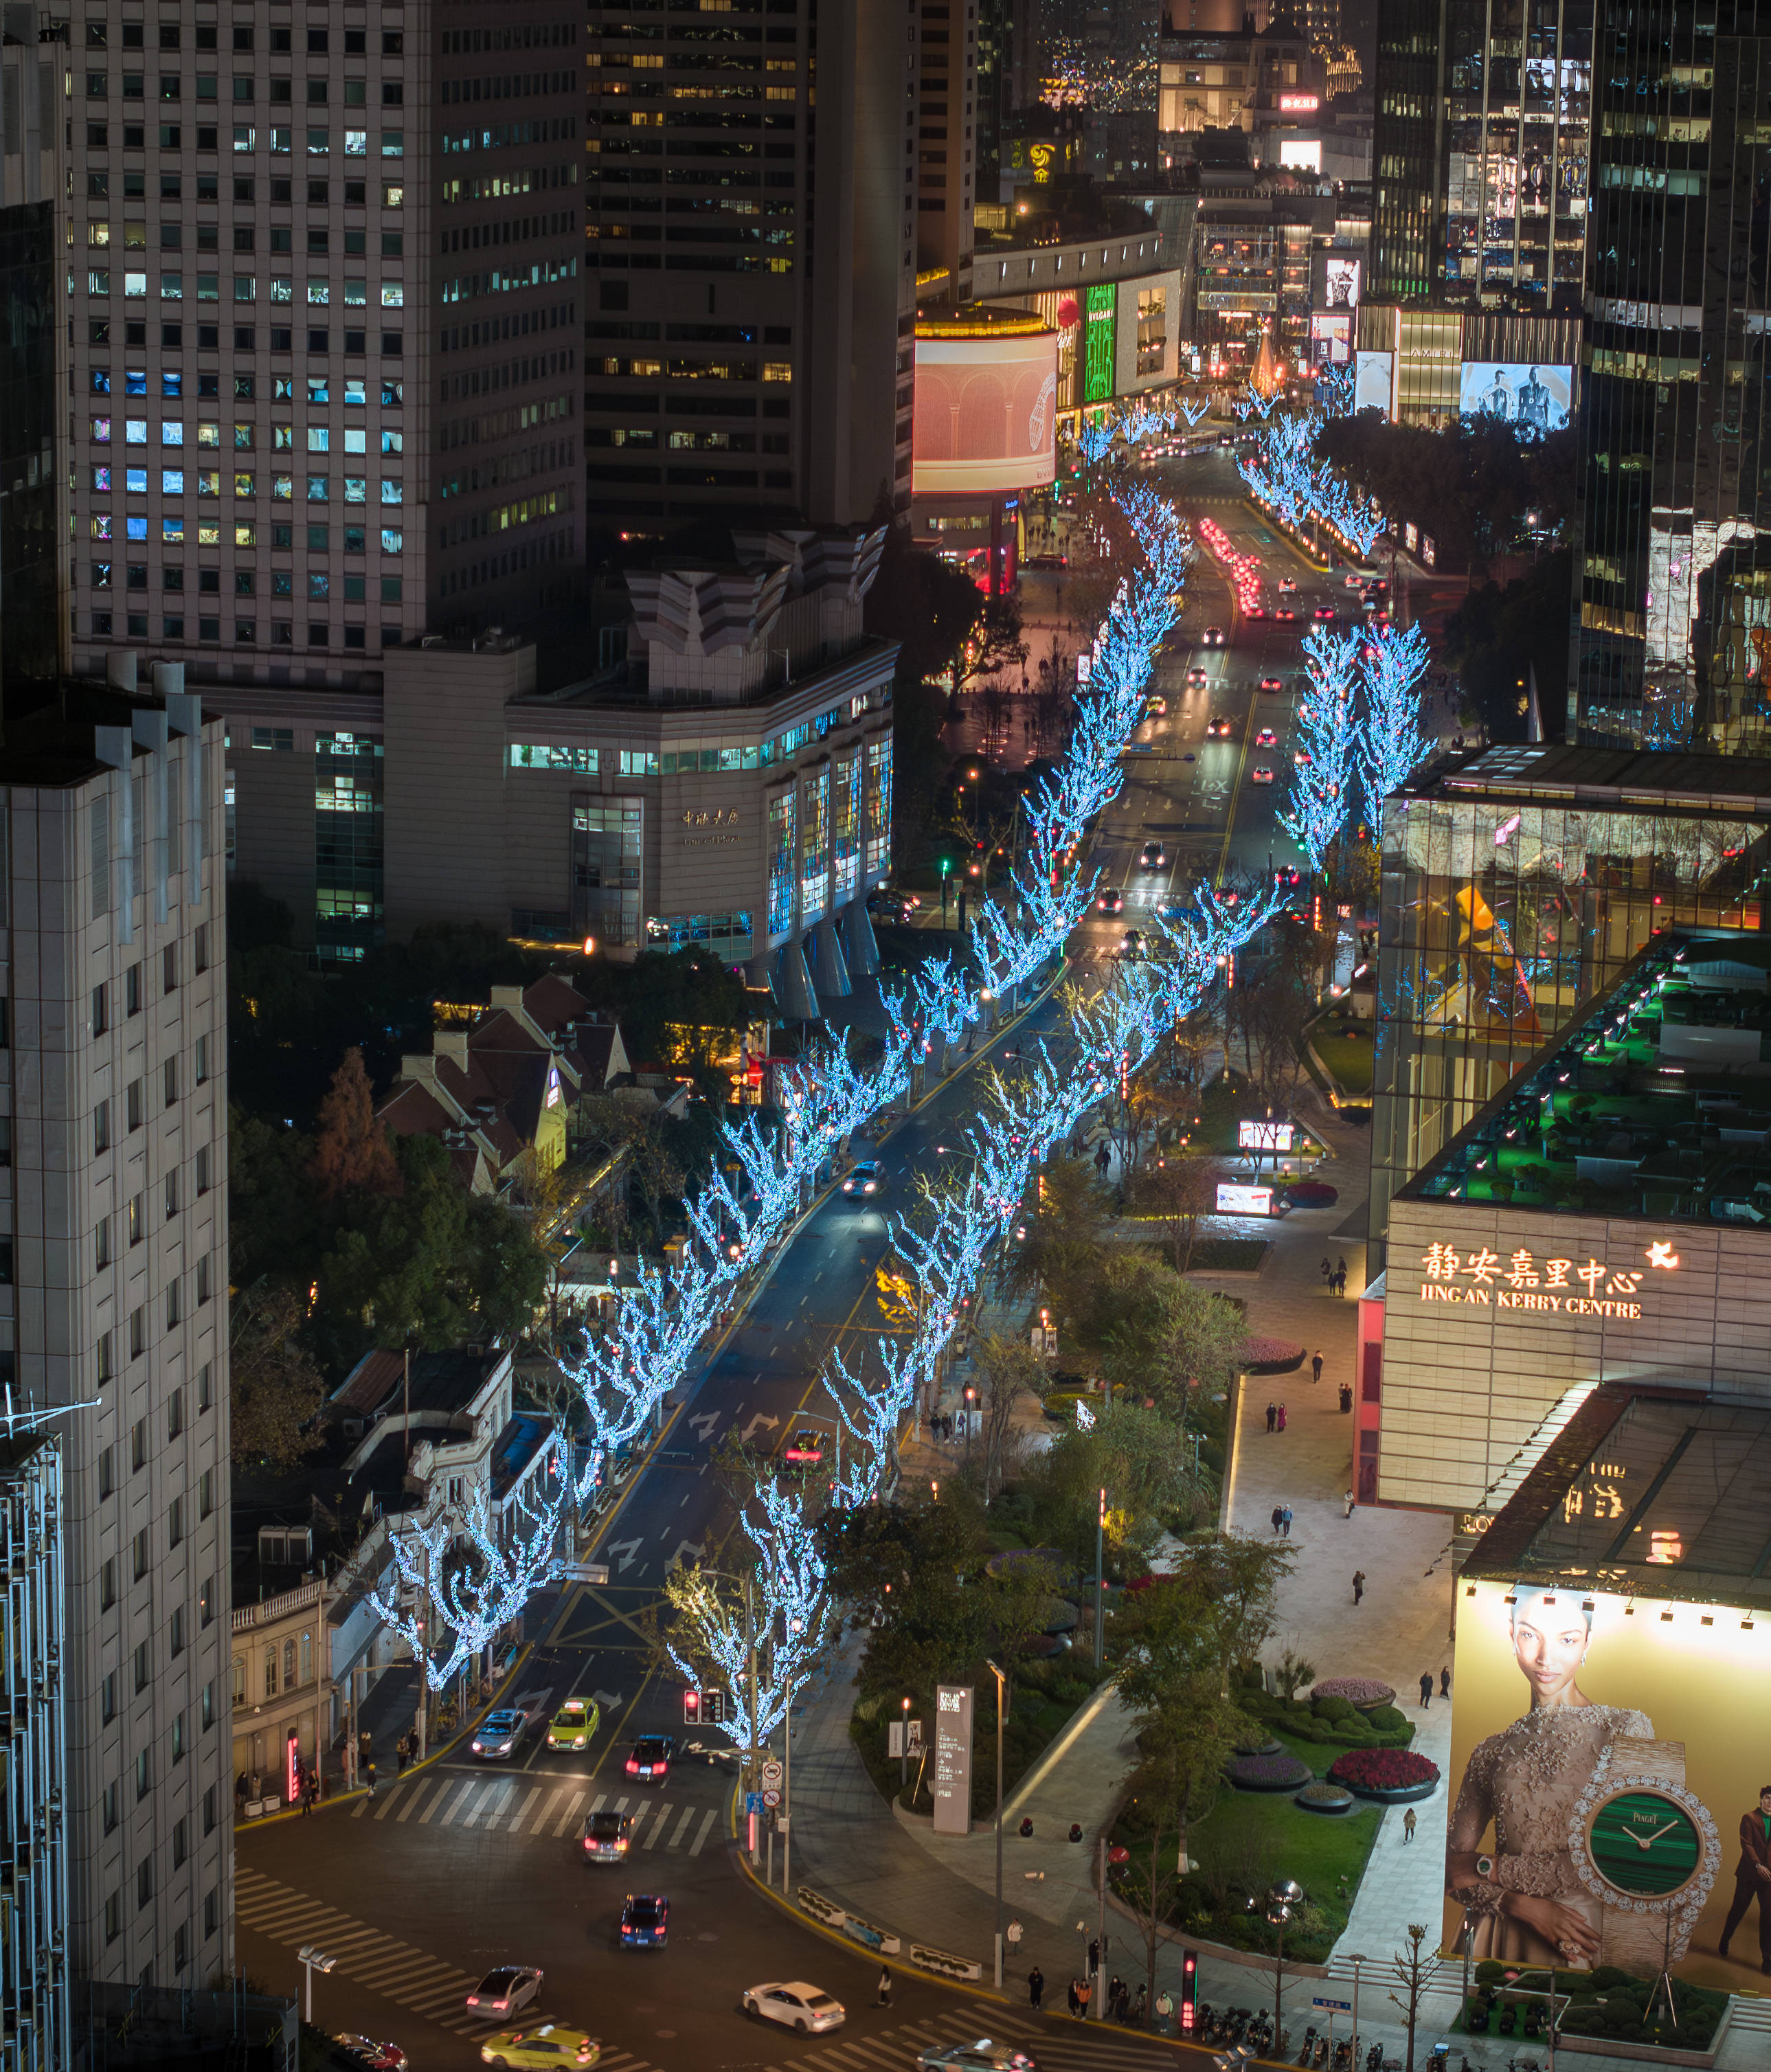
(371,1777)
(400,1757)
(885,1986)
(1346,1398)
(1358,1585)
(1075,1999)
(1340,1275)
(1036,1988)
(1316,1368)
(1279,1517)
(1426,1688)
(1013,1933)
(1350,1506)
(1444,1683)
(1285,1521)
(1328,1272)
(1140,2003)
(1272,1412)
(1281,1424)
(1410,1820)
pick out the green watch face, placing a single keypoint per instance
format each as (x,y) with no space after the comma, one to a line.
(1644,1843)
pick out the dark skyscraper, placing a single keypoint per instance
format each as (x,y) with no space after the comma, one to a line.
(1673,624)
(1480,161)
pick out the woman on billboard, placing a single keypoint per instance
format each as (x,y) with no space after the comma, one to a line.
(1524,1903)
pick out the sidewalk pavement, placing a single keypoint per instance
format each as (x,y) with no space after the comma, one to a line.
(850,1848)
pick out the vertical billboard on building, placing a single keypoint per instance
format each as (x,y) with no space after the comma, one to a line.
(986,410)
(1331,340)
(1372,381)
(952,1786)
(1340,282)
(1100,337)
(1607,1760)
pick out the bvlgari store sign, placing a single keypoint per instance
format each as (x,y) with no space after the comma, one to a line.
(1550,1286)
(1494,1313)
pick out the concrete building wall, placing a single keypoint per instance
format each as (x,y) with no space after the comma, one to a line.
(1476,1354)
(140,1341)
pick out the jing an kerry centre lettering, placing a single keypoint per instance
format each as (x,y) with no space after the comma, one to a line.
(1554,1287)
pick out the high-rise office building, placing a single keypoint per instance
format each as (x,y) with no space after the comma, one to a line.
(1480,156)
(1673,597)
(752,234)
(114,1072)
(32,54)
(325,373)
(946,46)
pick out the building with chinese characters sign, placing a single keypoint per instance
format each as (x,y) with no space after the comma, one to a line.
(1605,1219)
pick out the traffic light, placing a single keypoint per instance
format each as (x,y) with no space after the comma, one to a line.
(1189,1992)
(692,1708)
(718,1707)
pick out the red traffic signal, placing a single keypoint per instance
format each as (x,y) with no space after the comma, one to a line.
(692,1708)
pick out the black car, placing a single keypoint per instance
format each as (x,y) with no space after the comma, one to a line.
(1152,855)
(649,1759)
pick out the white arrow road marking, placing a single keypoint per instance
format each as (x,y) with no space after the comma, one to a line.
(627,1549)
(705,1424)
(600,1698)
(759,1419)
(694,1547)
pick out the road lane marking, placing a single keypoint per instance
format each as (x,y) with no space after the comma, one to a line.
(707,1822)
(657,1827)
(682,1827)
(566,1818)
(267,1918)
(522,1812)
(448,1786)
(485,1804)
(414,1796)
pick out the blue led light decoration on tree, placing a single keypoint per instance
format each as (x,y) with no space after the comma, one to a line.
(624,1375)
(1328,734)
(1193,412)
(1391,664)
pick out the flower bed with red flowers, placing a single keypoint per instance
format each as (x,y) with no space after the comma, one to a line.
(1271,1355)
(1395,1775)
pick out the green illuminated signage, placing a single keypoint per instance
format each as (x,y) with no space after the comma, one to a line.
(1098,337)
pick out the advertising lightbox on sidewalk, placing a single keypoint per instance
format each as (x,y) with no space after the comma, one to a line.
(951,1790)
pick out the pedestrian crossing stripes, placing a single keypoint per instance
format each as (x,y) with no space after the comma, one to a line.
(504,1804)
(1063,2046)
(431,1988)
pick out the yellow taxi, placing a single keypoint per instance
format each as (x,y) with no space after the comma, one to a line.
(547,2044)
(574,1725)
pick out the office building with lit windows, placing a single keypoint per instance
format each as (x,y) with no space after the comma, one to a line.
(1481,152)
(752,229)
(324,367)
(1672,571)
(114,1203)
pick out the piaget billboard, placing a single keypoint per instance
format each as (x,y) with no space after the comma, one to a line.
(1611,1783)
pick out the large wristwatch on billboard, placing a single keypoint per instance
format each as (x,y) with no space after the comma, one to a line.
(1646,1848)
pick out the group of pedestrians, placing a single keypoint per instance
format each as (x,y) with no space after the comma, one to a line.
(941,1424)
(1275,1416)
(1334,1278)
(1426,1687)
(1282,1520)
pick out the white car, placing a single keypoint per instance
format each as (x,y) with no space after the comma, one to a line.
(1286,587)
(983,2056)
(499,1734)
(795,2005)
(504,1991)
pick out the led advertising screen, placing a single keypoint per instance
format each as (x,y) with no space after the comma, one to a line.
(1371,380)
(1340,282)
(1608,1754)
(1265,1135)
(1100,340)
(1331,340)
(1532,400)
(986,412)
(1234,1201)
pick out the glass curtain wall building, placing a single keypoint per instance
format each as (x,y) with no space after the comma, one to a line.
(1673,628)
(1484,126)
(1514,887)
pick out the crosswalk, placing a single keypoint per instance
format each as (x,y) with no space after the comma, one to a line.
(396,1971)
(513,1804)
(1058,2046)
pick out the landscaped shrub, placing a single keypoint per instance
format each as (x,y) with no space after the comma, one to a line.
(1332,1708)
(1382,1770)
(1360,1692)
(1311,1195)
(1271,1355)
(1320,1793)
(1388,1721)
(1268,1773)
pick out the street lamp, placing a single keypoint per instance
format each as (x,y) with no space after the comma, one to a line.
(970,1397)
(904,1746)
(1283,1897)
(1002,1682)
(313,1959)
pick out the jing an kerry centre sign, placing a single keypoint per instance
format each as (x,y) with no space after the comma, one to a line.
(1482,1279)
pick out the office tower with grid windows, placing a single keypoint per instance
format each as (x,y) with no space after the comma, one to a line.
(1672,632)
(114,1083)
(1481,153)
(324,331)
(751,243)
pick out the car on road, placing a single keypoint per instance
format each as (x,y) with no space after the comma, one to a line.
(1131,944)
(506,1989)
(1267,738)
(1300,756)
(1288,874)
(795,2005)
(983,2056)
(1212,637)
(1110,900)
(1196,678)
(1218,729)
(805,1449)
(376,2056)
(1287,586)
(1323,612)
(645,1921)
(1190,757)
(575,1725)
(608,1836)
(1047,562)
(549,2044)
(1156,707)
(1273,683)
(863,1177)
(1255,611)
(1152,855)
(649,1759)
(890,906)
(1285,611)
(498,1735)
(1261,774)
